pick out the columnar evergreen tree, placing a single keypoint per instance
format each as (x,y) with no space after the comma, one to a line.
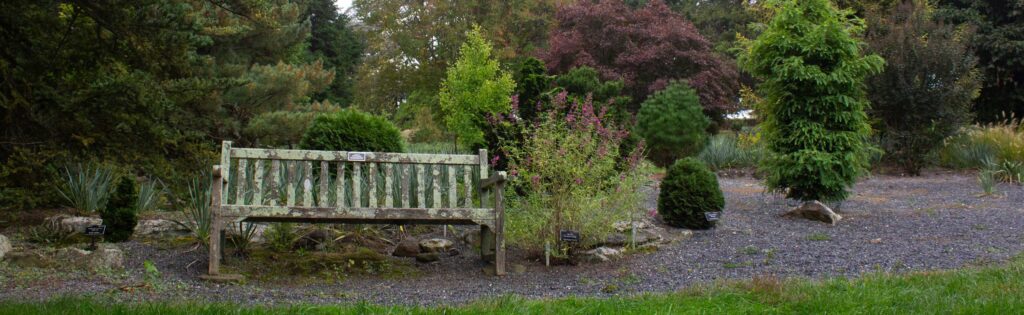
(814,120)
(475,88)
(925,93)
(672,124)
(333,41)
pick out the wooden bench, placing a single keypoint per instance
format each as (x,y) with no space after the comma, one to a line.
(270,185)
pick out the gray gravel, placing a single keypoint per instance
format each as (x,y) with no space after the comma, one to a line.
(891,224)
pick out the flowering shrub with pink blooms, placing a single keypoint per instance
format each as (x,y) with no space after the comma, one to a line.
(568,175)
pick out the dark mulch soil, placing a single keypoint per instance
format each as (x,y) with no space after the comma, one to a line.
(891,224)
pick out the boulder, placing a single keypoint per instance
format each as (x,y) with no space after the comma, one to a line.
(814,210)
(407,248)
(107,257)
(642,238)
(73,223)
(30,259)
(624,226)
(601,254)
(427,257)
(5,246)
(160,227)
(435,245)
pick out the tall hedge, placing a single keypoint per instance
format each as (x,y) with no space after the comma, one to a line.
(352,130)
(814,125)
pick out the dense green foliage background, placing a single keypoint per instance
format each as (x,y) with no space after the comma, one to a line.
(153,86)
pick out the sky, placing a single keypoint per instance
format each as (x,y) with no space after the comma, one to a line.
(343,4)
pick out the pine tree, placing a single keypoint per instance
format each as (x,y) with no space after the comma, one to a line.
(815,124)
(474,88)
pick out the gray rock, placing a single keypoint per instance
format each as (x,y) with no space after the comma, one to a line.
(814,210)
(407,248)
(427,257)
(601,254)
(107,257)
(30,259)
(435,245)
(5,246)
(623,226)
(159,227)
(73,223)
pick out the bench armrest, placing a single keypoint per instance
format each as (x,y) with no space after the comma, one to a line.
(498,177)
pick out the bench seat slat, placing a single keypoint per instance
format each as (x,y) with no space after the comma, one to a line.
(474,214)
(257,178)
(275,182)
(388,191)
(357,186)
(240,183)
(406,181)
(307,185)
(371,183)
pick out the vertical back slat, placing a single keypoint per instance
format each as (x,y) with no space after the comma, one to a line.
(340,189)
(467,172)
(325,179)
(225,170)
(275,182)
(290,182)
(388,199)
(483,175)
(420,183)
(240,183)
(257,178)
(406,181)
(356,186)
(307,185)
(372,183)
(435,186)
(453,201)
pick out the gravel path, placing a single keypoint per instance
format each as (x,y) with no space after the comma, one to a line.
(891,224)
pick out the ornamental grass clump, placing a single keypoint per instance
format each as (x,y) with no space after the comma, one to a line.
(567,176)
(688,191)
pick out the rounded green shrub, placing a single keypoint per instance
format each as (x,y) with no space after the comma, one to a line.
(352,130)
(672,124)
(688,191)
(120,216)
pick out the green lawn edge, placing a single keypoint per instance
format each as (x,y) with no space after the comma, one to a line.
(971,290)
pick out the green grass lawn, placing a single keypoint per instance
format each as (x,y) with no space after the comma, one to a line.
(984,290)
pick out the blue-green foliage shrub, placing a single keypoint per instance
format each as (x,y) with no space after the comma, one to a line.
(352,130)
(688,191)
(672,124)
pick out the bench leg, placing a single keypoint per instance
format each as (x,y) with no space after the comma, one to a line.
(486,243)
(499,251)
(215,244)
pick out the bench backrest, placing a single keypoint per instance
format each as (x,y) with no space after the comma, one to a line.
(339,179)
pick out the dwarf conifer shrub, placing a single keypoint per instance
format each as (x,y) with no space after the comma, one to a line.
(352,130)
(120,216)
(672,124)
(688,191)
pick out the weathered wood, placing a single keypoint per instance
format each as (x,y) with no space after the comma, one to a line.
(225,168)
(257,180)
(307,185)
(467,181)
(357,186)
(325,180)
(340,186)
(435,185)
(216,187)
(388,192)
(499,226)
(309,155)
(371,182)
(413,169)
(498,177)
(291,181)
(480,215)
(240,183)
(421,201)
(406,181)
(275,182)
(453,199)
